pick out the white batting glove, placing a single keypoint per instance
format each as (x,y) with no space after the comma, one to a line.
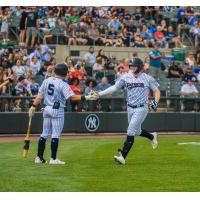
(31,111)
(92,96)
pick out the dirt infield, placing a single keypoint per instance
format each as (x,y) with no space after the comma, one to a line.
(15,138)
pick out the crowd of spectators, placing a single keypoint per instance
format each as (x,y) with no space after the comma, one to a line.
(23,68)
(102,26)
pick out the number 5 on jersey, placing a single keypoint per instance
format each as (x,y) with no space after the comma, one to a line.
(50,89)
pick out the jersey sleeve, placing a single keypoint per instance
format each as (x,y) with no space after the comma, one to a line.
(120,82)
(153,84)
(67,91)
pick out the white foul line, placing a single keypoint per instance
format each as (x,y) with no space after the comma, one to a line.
(192,143)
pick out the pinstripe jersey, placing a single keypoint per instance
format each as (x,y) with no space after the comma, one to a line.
(55,89)
(137,87)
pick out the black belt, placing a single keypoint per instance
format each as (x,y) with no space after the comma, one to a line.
(136,106)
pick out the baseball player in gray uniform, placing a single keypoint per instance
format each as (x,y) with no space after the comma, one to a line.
(138,85)
(54,91)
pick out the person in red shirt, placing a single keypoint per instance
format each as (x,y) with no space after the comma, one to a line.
(124,65)
(76,88)
(78,73)
(160,37)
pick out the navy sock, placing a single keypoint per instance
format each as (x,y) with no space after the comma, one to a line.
(127,145)
(146,134)
(54,147)
(41,147)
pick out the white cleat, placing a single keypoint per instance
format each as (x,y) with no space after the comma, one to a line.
(39,161)
(56,162)
(154,142)
(120,159)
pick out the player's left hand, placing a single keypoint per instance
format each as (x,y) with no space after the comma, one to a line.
(31,111)
(154,105)
(92,96)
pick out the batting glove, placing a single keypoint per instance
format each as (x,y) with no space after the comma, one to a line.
(154,105)
(92,96)
(31,111)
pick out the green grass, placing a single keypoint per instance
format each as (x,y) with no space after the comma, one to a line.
(90,166)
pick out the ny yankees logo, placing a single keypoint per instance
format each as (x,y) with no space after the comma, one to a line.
(92,122)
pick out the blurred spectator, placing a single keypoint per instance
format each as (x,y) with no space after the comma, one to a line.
(105,103)
(21,86)
(22,26)
(152,28)
(189,75)
(90,57)
(81,34)
(93,35)
(175,71)
(111,38)
(196,70)
(90,86)
(124,65)
(75,86)
(160,37)
(78,72)
(70,35)
(35,65)
(4,25)
(155,60)
(172,38)
(98,68)
(138,39)
(32,24)
(105,60)
(190,59)
(195,33)
(33,87)
(69,64)
(19,69)
(114,23)
(189,90)
(50,72)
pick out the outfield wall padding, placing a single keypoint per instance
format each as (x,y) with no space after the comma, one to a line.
(16,123)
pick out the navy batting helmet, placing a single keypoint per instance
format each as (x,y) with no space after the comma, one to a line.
(137,62)
(61,70)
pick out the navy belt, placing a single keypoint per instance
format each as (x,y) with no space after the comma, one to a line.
(136,106)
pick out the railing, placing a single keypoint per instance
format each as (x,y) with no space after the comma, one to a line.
(106,104)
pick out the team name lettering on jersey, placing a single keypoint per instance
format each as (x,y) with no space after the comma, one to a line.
(134,85)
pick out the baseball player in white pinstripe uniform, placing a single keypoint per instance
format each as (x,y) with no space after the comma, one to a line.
(54,91)
(138,85)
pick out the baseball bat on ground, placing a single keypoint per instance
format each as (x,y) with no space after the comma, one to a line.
(27,139)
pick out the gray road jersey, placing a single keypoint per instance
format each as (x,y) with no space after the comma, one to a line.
(55,89)
(137,87)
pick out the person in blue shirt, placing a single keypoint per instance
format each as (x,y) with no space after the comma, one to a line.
(115,24)
(152,28)
(105,103)
(171,37)
(155,60)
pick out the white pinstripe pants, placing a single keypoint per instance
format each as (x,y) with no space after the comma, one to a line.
(136,117)
(53,122)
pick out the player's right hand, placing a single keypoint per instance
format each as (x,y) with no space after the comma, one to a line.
(31,111)
(92,96)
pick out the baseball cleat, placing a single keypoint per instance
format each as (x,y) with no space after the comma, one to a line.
(40,161)
(56,162)
(120,159)
(154,142)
